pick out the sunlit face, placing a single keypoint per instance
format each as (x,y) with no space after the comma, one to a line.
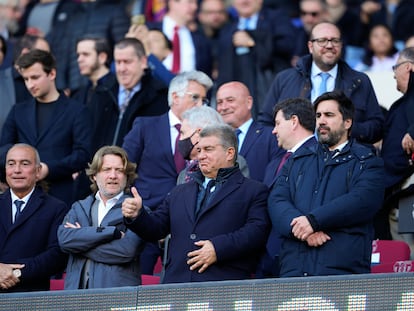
(380,41)
(22,172)
(332,129)
(325,57)
(183,10)
(111,178)
(246,8)
(192,97)
(234,104)
(283,131)
(129,67)
(88,60)
(212,156)
(39,83)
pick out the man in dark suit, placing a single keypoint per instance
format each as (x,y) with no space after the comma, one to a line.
(294,129)
(151,144)
(218,221)
(29,218)
(58,127)
(256,142)
(190,46)
(254,47)
(139,94)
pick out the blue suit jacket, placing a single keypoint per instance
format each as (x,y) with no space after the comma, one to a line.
(235,220)
(32,239)
(148,144)
(259,148)
(64,145)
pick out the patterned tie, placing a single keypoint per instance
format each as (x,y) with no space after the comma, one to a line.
(206,195)
(176,51)
(283,161)
(324,76)
(178,157)
(125,103)
(18,204)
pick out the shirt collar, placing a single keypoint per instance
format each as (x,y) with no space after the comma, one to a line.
(24,199)
(111,201)
(299,144)
(245,126)
(315,71)
(173,119)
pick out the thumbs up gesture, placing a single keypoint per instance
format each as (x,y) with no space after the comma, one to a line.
(132,206)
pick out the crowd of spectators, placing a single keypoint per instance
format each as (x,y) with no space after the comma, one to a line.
(79,75)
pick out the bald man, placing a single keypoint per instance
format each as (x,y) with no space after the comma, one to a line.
(256,142)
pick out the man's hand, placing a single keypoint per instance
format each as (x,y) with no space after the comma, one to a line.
(301,228)
(242,38)
(407,144)
(132,206)
(72,226)
(140,32)
(203,257)
(7,278)
(317,239)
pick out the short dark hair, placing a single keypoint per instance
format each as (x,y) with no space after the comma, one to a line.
(101,45)
(345,105)
(97,162)
(46,59)
(134,43)
(226,135)
(300,107)
(168,42)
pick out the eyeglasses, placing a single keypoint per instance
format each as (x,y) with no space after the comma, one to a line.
(313,14)
(394,68)
(323,42)
(196,98)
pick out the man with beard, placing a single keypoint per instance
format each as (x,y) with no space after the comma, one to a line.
(321,71)
(326,197)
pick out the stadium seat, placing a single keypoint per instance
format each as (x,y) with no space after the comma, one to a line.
(149,279)
(389,251)
(58,284)
(394,267)
(158,266)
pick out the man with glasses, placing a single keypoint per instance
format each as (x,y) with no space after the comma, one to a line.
(324,70)
(152,145)
(398,147)
(218,221)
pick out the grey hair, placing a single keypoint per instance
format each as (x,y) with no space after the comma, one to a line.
(180,83)
(407,53)
(23,145)
(200,117)
(223,132)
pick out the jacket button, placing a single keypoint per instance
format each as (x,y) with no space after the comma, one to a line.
(193,236)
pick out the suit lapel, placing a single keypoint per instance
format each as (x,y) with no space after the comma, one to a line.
(251,136)
(5,211)
(191,201)
(165,138)
(232,184)
(34,203)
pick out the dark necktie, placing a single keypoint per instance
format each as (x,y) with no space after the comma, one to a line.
(18,204)
(237,132)
(178,157)
(283,161)
(176,51)
(205,196)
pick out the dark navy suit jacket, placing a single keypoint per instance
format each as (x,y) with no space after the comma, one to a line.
(235,220)
(259,148)
(64,145)
(32,239)
(148,144)
(202,46)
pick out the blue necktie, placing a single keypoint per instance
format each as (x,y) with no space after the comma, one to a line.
(324,76)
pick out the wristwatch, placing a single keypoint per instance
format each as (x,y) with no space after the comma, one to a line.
(17,273)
